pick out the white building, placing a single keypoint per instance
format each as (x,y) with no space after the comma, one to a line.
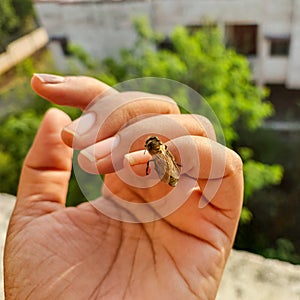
(267,31)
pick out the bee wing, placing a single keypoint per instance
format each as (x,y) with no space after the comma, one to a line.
(162,166)
(166,167)
(174,170)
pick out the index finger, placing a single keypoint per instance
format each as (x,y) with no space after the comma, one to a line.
(105,116)
(75,91)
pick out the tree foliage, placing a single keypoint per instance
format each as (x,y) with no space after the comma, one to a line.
(8,18)
(16,17)
(201,61)
(23,9)
(17,133)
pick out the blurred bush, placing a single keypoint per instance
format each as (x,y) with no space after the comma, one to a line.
(16,18)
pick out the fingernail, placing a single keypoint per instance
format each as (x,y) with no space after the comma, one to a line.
(82,125)
(130,158)
(49,78)
(100,150)
(137,157)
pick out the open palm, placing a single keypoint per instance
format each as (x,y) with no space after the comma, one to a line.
(54,252)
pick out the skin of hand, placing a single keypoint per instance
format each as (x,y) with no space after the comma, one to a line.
(58,252)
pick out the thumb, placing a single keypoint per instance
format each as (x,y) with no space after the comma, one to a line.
(46,170)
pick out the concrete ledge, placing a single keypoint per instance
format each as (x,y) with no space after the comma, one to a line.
(249,276)
(22,48)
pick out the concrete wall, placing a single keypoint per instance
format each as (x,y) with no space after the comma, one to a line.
(293,72)
(100,28)
(103,27)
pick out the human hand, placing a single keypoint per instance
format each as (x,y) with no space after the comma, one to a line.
(54,252)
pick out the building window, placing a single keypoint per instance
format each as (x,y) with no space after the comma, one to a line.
(279,46)
(243,38)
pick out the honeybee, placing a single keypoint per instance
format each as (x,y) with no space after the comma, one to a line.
(165,164)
